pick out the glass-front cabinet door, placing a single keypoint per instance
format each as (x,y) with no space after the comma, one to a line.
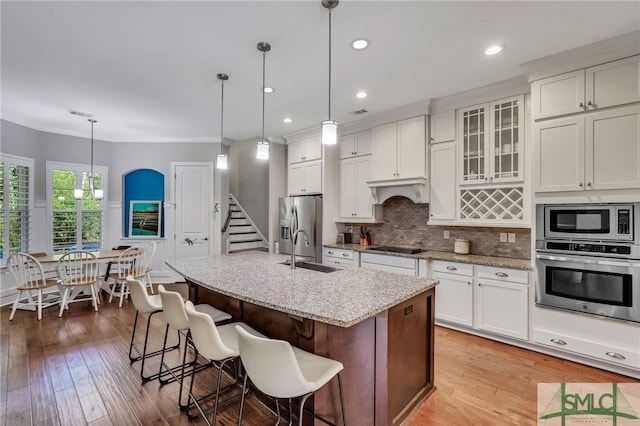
(474,124)
(507,121)
(492,142)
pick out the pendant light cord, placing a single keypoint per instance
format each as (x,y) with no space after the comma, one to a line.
(222,118)
(329,64)
(264,53)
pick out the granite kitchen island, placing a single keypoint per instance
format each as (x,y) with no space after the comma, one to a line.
(378,324)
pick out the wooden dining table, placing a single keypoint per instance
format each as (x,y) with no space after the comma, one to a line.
(100,254)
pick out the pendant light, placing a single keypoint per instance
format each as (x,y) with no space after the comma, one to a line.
(262,146)
(96,194)
(329,127)
(222,159)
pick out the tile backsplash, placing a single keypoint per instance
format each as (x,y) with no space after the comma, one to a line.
(405,224)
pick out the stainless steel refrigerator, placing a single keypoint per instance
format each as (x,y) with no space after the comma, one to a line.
(305,213)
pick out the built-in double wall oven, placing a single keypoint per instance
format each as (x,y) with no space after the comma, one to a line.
(588,258)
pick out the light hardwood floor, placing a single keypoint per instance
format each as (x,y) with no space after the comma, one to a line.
(74,370)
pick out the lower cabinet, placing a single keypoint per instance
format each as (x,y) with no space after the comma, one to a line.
(397,264)
(485,298)
(339,257)
(603,339)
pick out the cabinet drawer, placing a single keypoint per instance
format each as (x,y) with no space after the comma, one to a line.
(338,261)
(444,266)
(395,261)
(338,253)
(503,274)
(603,352)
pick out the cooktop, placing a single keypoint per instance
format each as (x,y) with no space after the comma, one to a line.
(404,250)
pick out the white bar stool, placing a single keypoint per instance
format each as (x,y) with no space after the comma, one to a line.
(219,346)
(280,370)
(150,305)
(176,317)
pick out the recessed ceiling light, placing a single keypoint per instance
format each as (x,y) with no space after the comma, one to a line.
(493,50)
(268,89)
(287,120)
(361,95)
(360,44)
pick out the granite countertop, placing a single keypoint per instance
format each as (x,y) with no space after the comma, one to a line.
(343,298)
(501,262)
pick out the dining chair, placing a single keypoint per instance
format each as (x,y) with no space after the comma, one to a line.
(282,371)
(30,278)
(78,272)
(149,253)
(130,262)
(219,346)
(149,305)
(176,318)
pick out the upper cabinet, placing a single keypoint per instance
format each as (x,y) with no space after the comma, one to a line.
(305,150)
(589,89)
(600,150)
(399,150)
(355,145)
(492,139)
(443,127)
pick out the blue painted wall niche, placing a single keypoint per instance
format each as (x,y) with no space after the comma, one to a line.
(142,185)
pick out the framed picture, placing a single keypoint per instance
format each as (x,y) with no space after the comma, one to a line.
(145,218)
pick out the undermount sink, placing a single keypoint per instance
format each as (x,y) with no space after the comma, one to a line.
(313,266)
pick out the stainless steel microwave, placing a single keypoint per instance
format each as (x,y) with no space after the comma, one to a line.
(595,222)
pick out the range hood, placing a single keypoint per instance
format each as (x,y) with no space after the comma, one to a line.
(415,189)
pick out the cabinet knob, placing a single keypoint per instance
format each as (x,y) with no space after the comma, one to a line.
(589,103)
(581,105)
(468,282)
(580,185)
(559,342)
(589,184)
(330,252)
(479,284)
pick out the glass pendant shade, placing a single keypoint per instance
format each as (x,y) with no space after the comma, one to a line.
(329,132)
(262,150)
(77,194)
(221,161)
(98,194)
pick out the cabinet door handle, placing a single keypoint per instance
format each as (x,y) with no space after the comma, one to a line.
(502,274)
(615,355)
(559,342)
(451,268)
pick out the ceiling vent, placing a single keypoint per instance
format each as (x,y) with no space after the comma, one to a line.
(359,112)
(80,113)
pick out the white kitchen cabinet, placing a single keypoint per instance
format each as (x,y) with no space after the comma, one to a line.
(305,150)
(603,339)
(598,150)
(305,178)
(355,196)
(356,145)
(484,298)
(339,257)
(442,170)
(611,84)
(399,150)
(492,142)
(454,292)
(387,263)
(443,127)
(502,302)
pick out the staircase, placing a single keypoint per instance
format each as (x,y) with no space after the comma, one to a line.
(243,234)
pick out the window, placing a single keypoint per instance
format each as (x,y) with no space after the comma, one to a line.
(75,224)
(16,203)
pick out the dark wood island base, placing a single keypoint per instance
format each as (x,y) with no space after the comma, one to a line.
(388,358)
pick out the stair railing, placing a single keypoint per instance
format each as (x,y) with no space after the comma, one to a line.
(226,222)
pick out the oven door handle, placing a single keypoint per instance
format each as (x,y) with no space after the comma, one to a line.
(564,259)
(620,264)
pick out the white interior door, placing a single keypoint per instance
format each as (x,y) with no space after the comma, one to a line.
(194,210)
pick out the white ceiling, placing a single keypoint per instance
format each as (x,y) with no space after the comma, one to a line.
(147,70)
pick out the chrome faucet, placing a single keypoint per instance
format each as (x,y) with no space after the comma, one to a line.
(294,240)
